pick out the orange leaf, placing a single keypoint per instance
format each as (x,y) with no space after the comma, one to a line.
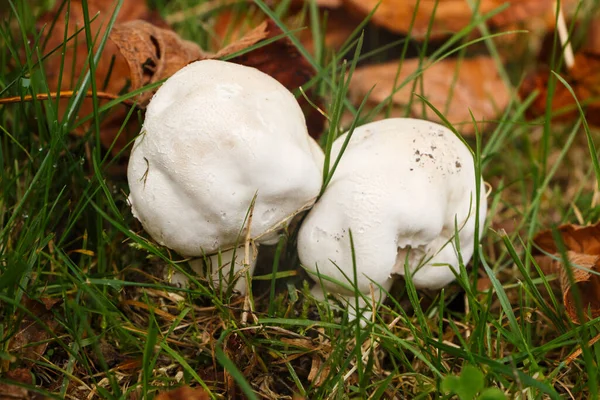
(183,393)
(448,15)
(583,252)
(471,84)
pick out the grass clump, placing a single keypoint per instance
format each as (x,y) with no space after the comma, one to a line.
(86,312)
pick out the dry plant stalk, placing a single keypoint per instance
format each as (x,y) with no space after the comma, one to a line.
(62,95)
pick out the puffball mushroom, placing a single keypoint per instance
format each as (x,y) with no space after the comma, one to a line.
(215,135)
(403,187)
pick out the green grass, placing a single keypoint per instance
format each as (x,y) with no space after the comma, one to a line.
(119,331)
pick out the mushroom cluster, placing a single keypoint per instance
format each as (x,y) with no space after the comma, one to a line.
(220,140)
(406,190)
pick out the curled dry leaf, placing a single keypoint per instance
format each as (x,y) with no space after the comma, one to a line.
(583,252)
(453,87)
(112,72)
(584,79)
(184,393)
(152,53)
(449,16)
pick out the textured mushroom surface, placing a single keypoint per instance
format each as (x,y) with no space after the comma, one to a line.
(216,134)
(404,187)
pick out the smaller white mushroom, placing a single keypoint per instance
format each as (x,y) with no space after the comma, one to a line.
(404,187)
(217,134)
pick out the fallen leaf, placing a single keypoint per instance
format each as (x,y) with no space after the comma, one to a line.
(238,19)
(584,79)
(8,391)
(592,42)
(339,26)
(454,87)
(232,23)
(152,53)
(318,371)
(139,52)
(183,393)
(112,72)
(449,16)
(484,284)
(32,339)
(583,252)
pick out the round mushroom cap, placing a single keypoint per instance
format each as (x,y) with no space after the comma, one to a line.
(216,134)
(404,187)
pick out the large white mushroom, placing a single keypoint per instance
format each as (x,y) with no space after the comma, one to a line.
(215,135)
(404,187)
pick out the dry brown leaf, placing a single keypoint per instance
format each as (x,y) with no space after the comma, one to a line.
(340,25)
(183,393)
(471,84)
(584,79)
(32,339)
(583,251)
(484,284)
(592,42)
(450,15)
(231,24)
(8,391)
(234,22)
(112,72)
(318,371)
(152,53)
(271,58)
(139,52)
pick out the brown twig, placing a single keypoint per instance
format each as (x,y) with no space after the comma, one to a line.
(62,95)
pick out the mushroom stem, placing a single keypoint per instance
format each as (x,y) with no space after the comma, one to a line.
(563,35)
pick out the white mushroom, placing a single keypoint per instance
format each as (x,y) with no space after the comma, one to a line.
(215,135)
(404,187)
